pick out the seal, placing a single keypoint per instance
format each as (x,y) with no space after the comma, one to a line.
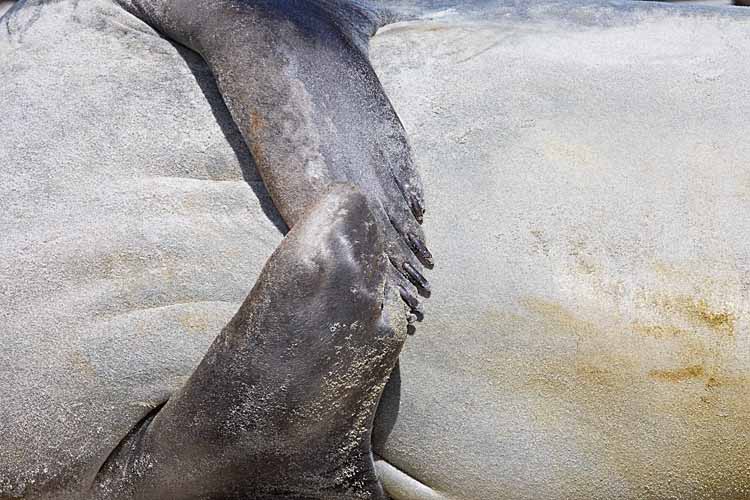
(591,332)
(282,405)
(298,83)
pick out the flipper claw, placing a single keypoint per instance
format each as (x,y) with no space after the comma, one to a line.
(420,250)
(416,278)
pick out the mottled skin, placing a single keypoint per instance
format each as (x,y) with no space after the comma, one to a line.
(297,80)
(320,333)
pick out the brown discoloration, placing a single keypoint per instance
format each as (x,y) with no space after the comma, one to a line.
(193,322)
(658,331)
(82,364)
(612,371)
(679,375)
(398,28)
(257,123)
(712,382)
(596,374)
(257,127)
(594,362)
(621,354)
(649,385)
(559,316)
(569,154)
(699,313)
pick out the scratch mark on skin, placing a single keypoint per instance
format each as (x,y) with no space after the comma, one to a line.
(479,53)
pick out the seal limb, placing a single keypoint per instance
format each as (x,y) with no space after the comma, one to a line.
(297,80)
(282,405)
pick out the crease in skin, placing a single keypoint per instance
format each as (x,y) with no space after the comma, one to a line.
(401,486)
(149,411)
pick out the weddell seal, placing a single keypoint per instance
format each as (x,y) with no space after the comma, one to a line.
(587,179)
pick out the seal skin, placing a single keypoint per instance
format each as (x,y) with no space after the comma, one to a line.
(282,405)
(296,78)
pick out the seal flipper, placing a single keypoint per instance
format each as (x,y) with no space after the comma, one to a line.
(282,405)
(297,80)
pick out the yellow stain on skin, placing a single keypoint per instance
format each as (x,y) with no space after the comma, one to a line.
(658,331)
(678,375)
(698,339)
(193,322)
(577,155)
(698,312)
(82,364)
(593,362)
(655,391)
(558,315)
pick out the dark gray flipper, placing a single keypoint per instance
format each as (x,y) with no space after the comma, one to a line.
(282,405)
(296,77)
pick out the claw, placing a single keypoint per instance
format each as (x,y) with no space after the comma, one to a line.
(412,195)
(417,206)
(420,250)
(417,278)
(409,298)
(412,302)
